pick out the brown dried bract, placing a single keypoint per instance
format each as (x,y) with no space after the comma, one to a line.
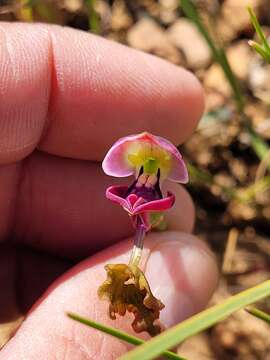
(128,290)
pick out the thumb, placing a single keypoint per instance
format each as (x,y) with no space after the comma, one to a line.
(180,269)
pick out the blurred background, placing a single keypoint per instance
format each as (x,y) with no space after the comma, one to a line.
(229,154)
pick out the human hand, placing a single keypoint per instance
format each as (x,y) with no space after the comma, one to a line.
(66,96)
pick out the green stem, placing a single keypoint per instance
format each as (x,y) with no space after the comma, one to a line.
(93,20)
(217,52)
(259,31)
(118,334)
(259,146)
(259,314)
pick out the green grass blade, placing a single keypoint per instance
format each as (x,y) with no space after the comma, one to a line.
(259,145)
(259,314)
(197,323)
(191,12)
(218,53)
(260,50)
(258,29)
(93,19)
(118,334)
(199,175)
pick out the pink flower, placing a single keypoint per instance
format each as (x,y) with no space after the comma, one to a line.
(151,159)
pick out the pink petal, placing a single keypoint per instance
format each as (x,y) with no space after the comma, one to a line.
(115,163)
(178,171)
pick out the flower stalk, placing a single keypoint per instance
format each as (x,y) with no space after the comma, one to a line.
(137,249)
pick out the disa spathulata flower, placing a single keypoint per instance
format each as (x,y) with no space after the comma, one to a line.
(151,159)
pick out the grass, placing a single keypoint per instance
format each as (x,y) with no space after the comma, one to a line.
(259,146)
(118,334)
(93,20)
(259,314)
(174,336)
(263,48)
(160,344)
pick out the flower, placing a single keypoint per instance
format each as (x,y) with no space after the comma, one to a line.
(151,159)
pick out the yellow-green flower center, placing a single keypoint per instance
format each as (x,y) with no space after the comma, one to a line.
(149,156)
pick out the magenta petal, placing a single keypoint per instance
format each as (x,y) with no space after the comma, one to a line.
(137,205)
(139,202)
(132,199)
(156,205)
(117,195)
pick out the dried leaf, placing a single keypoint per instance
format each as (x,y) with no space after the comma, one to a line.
(128,290)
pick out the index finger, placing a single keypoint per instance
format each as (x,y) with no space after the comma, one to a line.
(72,94)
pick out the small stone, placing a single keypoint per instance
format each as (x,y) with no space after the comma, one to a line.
(121,19)
(73,5)
(213,100)
(259,80)
(240,57)
(238,169)
(168,11)
(185,36)
(242,211)
(197,347)
(216,80)
(236,16)
(148,36)
(259,113)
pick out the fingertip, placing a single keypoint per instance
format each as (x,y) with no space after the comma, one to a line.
(107,84)
(190,107)
(181,216)
(25,73)
(183,273)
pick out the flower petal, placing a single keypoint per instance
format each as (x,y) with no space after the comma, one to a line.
(178,171)
(135,205)
(114,163)
(129,153)
(117,194)
(156,205)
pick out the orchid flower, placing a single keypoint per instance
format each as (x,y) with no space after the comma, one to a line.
(150,159)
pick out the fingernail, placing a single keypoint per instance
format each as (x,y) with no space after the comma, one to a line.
(182,273)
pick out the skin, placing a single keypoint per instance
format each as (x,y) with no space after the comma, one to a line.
(65,97)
